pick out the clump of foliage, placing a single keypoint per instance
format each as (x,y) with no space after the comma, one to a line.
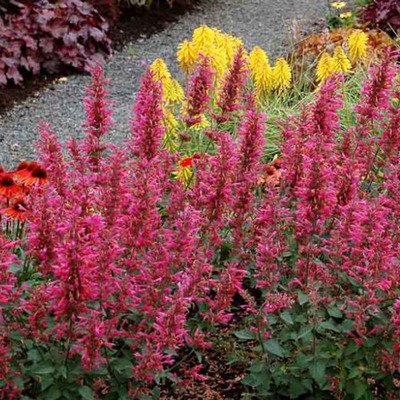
(43,35)
(117,262)
(384,14)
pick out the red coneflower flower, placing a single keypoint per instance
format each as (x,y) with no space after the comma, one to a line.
(35,176)
(8,187)
(24,168)
(1,170)
(17,210)
(186,162)
(22,165)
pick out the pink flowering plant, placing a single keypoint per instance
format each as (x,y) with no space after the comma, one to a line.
(124,266)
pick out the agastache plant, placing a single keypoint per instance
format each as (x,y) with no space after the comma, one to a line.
(121,274)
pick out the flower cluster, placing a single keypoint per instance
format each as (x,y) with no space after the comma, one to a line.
(339,62)
(15,187)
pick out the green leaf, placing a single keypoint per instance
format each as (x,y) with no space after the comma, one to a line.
(296,388)
(359,389)
(33,355)
(304,331)
(249,380)
(15,268)
(53,393)
(43,368)
(302,298)
(285,315)
(122,363)
(274,347)
(257,366)
(334,312)
(245,335)
(354,373)
(329,325)
(317,370)
(86,392)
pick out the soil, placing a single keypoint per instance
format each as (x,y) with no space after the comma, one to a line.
(135,23)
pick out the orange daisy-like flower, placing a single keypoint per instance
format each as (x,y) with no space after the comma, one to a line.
(17,210)
(32,175)
(8,187)
(24,169)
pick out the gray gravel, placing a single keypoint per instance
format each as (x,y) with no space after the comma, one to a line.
(268,23)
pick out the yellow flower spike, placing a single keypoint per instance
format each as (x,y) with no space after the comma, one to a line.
(187,55)
(338,4)
(341,63)
(257,57)
(170,136)
(204,123)
(261,71)
(358,41)
(282,75)
(170,121)
(203,38)
(325,67)
(219,38)
(160,70)
(219,64)
(263,79)
(173,91)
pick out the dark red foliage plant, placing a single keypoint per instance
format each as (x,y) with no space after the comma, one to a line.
(45,35)
(384,14)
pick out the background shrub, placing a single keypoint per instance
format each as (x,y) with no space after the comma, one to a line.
(45,36)
(384,14)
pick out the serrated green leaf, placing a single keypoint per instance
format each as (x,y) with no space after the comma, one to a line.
(354,373)
(52,394)
(245,335)
(304,331)
(317,371)
(15,268)
(86,392)
(359,389)
(334,312)
(249,380)
(286,316)
(43,368)
(329,325)
(274,347)
(302,298)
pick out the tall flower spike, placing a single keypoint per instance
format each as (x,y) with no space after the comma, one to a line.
(324,67)
(51,155)
(187,56)
(231,89)
(358,41)
(98,113)
(147,125)
(257,57)
(203,38)
(261,71)
(341,63)
(282,76)
(160,70)
(198,94)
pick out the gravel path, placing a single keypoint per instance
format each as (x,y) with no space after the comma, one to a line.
(267,23)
